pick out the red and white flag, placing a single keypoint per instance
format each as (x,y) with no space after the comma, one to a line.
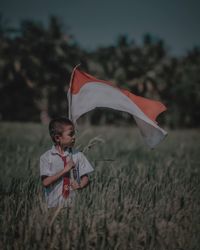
(86,93)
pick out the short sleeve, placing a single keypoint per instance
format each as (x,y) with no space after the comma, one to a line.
(44,166)
(84,166)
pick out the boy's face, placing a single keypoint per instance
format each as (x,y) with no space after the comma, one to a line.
(67,139)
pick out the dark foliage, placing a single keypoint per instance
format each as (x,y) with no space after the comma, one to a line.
(36,63)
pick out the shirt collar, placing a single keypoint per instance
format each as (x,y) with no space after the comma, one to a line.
(55,151)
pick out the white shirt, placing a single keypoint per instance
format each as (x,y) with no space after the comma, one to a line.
(50,164)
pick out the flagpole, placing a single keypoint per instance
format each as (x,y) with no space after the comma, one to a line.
(69,92)
(75,170)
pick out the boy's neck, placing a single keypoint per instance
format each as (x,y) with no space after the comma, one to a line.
(60,149)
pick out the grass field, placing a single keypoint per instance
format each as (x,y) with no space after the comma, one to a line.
(137,198)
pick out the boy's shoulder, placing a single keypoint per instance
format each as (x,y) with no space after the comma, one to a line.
(77,154)
(75,151)
(46,155)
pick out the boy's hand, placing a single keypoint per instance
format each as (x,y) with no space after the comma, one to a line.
(75,185)
(70,164)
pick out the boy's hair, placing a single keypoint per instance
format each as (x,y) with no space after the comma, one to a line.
(56,126)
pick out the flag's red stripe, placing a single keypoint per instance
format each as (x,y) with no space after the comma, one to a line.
(149,107)
(81,78)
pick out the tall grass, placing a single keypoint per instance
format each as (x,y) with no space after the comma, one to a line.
(137,198)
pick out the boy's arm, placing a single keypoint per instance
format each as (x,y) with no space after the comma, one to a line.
(48,180)
(84,168)
(84,182)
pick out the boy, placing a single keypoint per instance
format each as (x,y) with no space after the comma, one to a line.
(63,169)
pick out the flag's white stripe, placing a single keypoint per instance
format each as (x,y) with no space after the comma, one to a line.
(94,94)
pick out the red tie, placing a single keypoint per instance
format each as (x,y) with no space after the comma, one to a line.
(66,181)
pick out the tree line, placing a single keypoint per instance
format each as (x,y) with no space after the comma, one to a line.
(36,62)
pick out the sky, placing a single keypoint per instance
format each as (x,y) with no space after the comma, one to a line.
(99,23)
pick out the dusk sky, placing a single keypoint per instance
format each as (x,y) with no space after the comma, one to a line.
(95,23)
